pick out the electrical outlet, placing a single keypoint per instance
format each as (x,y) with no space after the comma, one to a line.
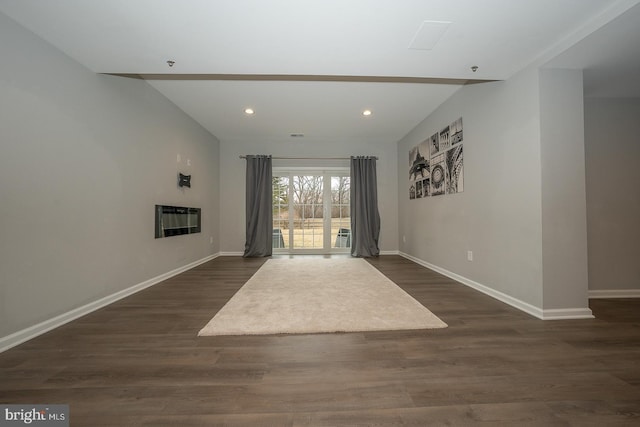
(404,239)
(210,240)
(469,255)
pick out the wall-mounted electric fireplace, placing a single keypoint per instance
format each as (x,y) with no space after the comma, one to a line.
(176,220)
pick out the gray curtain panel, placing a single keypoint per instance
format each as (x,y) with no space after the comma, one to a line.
(259,208)
(365,218)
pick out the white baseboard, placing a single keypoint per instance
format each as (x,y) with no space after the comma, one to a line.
(396,252)
(567,314)
(231,253)
(31,332)
(614,293)
(549,314)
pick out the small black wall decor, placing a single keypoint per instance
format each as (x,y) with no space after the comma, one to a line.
(184,180)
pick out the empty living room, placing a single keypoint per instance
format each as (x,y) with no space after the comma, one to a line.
(319,213)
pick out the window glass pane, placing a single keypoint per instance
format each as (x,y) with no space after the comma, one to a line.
(340,211)
(280,187)
(307,212)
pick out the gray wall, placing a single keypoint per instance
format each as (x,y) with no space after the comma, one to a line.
(83,160)
(498,215)
(523,209)
(612,148)
(564,215)
(232,177)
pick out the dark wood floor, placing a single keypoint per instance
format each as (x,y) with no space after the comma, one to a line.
(139,362)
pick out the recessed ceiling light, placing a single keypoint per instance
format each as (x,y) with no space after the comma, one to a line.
(366,113)
(249,111)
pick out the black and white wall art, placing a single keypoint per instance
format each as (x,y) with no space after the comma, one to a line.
(418,170)
(444,139)
(434,144)
(438,175)
(436,165)
(454,173)
(455,132)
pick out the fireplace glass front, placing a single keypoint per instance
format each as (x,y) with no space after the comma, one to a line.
(176,220)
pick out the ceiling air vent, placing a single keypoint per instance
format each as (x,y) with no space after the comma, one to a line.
(428,35)
(297,135)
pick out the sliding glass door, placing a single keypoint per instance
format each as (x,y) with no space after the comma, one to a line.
(307,206)
(311,212)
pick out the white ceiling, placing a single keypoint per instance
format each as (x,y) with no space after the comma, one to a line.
(610,58)
(241,52)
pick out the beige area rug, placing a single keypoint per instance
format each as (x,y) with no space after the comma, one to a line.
(312,295)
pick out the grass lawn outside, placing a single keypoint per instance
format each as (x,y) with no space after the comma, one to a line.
(309,233)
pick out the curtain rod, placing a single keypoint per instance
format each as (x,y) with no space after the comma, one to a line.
(310,158)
